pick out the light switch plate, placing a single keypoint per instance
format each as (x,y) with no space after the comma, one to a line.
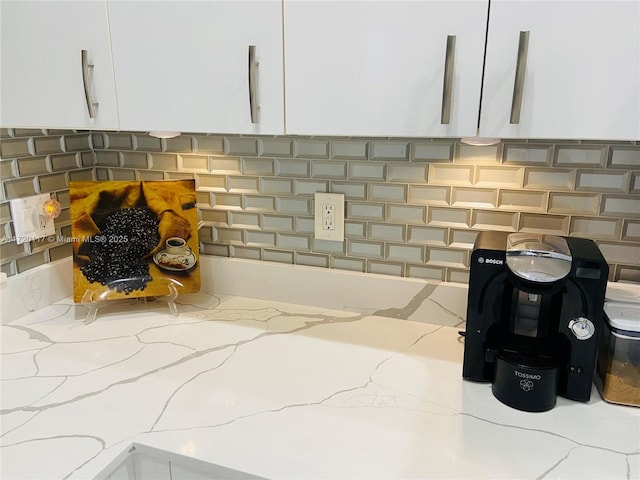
(28,223)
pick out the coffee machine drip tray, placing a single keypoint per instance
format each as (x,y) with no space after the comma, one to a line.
(538,258)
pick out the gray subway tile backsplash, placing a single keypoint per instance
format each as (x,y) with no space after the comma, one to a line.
(107,159)
(241,146)
(16,147)
(64,162)
(432,151)
(355,229)
(31,166)
(627,157)
(118,141)
(276,186)
(549,179)
(44,145)
(549,224)
(310,187)
(311,259)
(367,171)
(19,187)
(499,176)
(621,206)
(435,236)
(474,197)
(410,214)
(329,169)
(631,230)
(181,144)
(413,206)
(494,220)
(533,154)
(243,184)
(178,176)
(412,173)
(635,183)
(258,166)
(275,147)
(478,155)
(595,228)
(311,148)
(203,144)
(597,181)
(430,194)
(278,256)
(77,143)
(53,182)
(350,149)
(445,174)
(580,156)
(299,168)
(387,232)
(351,190)
(259,203)
(576,203)
(389,150)
(164,161)
(195,163)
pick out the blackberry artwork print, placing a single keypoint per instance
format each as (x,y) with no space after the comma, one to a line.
(133,239)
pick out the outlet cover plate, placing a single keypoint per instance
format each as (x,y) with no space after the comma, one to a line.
(28,224)
(337,201)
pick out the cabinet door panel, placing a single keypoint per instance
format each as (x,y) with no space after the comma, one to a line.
(377,68)
(583,70)
(42,83)
(184,65)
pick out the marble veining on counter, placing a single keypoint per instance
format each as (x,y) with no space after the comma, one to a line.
(281,390)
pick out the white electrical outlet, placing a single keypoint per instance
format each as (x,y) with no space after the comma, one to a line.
(329,216)
(28,221)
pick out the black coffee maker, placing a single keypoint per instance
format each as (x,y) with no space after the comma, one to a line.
(534,316)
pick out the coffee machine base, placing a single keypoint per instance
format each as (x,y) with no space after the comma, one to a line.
(525,383)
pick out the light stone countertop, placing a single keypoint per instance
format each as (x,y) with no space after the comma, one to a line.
(283,390)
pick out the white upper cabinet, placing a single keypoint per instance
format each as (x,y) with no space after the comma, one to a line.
(582,74)
(184,65)
(43,83)
(378,67)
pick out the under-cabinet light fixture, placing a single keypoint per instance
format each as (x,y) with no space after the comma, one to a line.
(479,141)
(162,134)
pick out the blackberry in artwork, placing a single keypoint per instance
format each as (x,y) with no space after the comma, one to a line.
(117,254)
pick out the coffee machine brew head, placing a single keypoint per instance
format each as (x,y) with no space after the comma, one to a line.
(534,315)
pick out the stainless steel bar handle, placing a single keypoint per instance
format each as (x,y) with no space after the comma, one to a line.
(447,87)
(518,85)
(91,105)
(253,84)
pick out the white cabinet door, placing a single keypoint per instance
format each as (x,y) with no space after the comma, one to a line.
(41,62)
(582,77)
(184,65)
(377,67)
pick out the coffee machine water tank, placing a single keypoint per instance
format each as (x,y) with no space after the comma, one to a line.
(538,258)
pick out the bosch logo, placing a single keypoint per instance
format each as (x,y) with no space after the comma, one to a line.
(527,375)
(490,261)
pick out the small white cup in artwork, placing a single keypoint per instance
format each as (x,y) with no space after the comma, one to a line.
(176,246)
